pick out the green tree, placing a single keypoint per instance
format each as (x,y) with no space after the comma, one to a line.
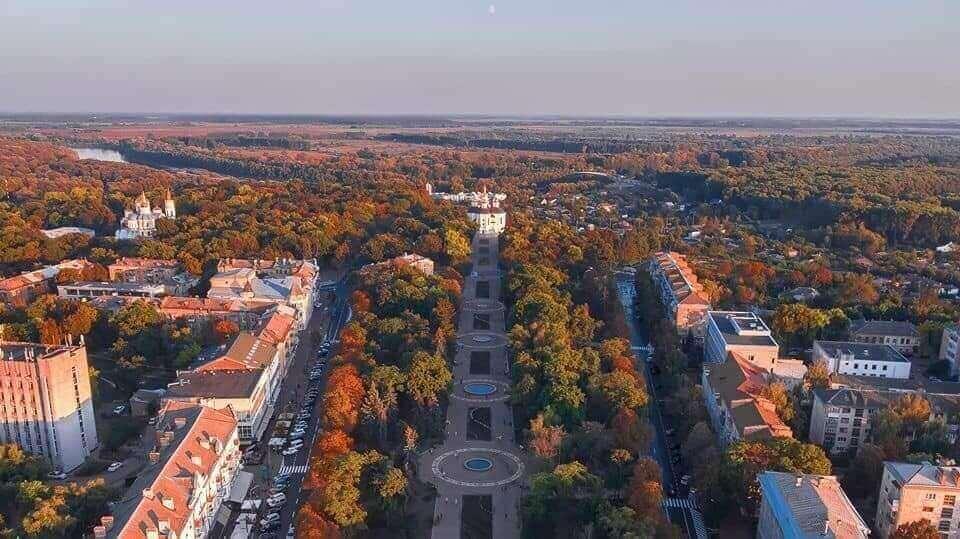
(918,529)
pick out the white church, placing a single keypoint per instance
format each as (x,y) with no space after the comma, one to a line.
(141,221)
(483,208)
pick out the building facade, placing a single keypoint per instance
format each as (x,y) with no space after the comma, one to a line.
(189,474)
(950,347)
(903,336)
(862,359)
(280,282)
(46,405)
(742,332)
(20,290)
(141,221)
(737,410)
(681,294)
(911,492)
(805,506)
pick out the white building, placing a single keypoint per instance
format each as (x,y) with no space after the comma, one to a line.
(742,332)
(862,359)
(46,406)
(950,347)
(282,282)
(484,208)
(189,474)
(141,221)
(911,492)
(901,335)
(806,506)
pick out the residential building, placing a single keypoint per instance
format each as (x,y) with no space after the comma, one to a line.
(93,289)
(46,406)
(950,347)
(422,263)
(803,294)
(742,332)
(841,418)
(153,271)
(681,294)
(22,289)
(862,359)
(806,506)
(282,282)
(911,492)
(903,336)
(245,313)
(484,208)
(247,377)
(738,411)
(141,221)
(189,474)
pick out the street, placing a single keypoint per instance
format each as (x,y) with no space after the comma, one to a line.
(680,510)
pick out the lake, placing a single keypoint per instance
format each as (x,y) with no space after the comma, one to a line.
(99,154)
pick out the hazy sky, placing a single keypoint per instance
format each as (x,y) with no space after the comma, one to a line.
(618,57)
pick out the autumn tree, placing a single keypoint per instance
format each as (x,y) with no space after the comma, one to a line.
(544,439)
(918,529)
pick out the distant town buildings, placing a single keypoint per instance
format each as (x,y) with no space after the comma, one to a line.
(901,335)
(191,471)
(141,221)
(46,405)
(246,314)
(742,332)
(93,289)
(682,296)
(732,395)
(804,506)
(861,359)
(20,290)
(911,492)
(483,208)
(176,282)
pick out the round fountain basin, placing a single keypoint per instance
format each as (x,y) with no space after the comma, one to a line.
(478,464)
(480,388)
(482,338)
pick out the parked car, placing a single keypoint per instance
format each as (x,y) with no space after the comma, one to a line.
(119,409)
(291,451)
(114,466)
(57,474)
(277,500)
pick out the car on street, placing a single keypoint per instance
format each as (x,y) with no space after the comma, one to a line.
(57,474)
(119,409)
(291,451)
(291,533)
(685,480)
(277,500)
(114,466)
(296,434)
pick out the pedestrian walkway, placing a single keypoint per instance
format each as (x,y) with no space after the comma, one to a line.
(677,502)
(479,455)
(699,527)
(292,469)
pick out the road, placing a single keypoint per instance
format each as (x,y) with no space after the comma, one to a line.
(678,508)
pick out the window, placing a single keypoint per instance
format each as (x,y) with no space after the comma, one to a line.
(928,509)
(884,367)
(944,526)
(931,496)
(856,365)
(946,512)
(949,500)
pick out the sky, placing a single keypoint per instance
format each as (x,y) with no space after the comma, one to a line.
(849,58)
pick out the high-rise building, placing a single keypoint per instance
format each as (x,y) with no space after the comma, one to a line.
(46,405)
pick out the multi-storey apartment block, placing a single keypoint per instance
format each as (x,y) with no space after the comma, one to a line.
(950,347)
(806,506)
(741,332)
(901,335)
(911,492)
(46,405)
(683,298)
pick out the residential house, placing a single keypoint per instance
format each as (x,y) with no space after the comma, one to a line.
(684,301)
(862,359)
(806,506)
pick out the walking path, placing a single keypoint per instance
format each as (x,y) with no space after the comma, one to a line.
(479,429)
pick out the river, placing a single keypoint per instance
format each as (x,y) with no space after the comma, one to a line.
(100,154)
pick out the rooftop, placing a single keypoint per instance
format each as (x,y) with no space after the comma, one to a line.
(925,474)
(739,384)
(742,328)
(883,327)
(857,351)
(27,351)
(221,384)
(811,505)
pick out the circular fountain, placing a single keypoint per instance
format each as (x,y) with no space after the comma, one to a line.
(481,389)
(478,464)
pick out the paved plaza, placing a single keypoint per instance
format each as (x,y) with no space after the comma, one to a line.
(478,458)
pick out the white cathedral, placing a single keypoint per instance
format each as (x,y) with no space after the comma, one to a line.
(141,221)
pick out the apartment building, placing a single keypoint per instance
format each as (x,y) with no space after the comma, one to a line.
(153,271)
(46,406)
(742,332)
(683,298)
(862,359)
(246,378)
(950,347)
(802,506)
(738,411)
(911,492)
(422,263)
(281,281)
(245,313)
(20,290)
(189,475)
(903,336)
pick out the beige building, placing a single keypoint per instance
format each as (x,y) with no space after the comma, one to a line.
(741,332)
(280,282)
(901,335)
(910,492)
(46,405)
(190,473)
(795,506)
(681,293)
